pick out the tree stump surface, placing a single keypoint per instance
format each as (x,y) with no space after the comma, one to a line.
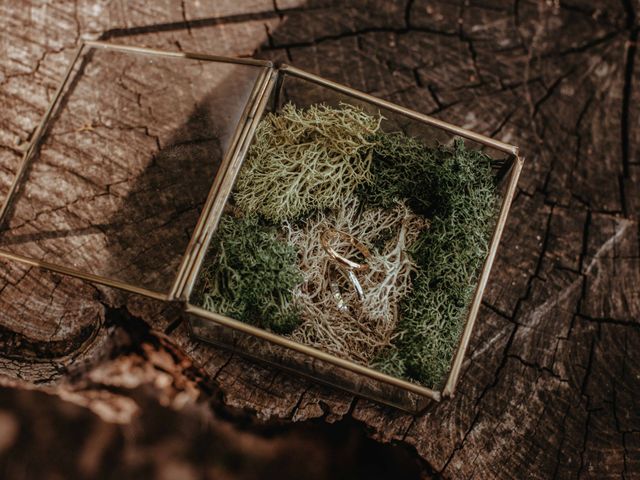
(550,387)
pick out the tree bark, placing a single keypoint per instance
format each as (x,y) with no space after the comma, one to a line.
(552,379)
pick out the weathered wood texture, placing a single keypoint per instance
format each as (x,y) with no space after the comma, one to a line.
(551,388)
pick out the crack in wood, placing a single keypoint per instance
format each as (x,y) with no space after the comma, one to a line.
(547,320)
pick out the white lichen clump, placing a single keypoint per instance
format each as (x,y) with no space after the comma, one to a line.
(368,327)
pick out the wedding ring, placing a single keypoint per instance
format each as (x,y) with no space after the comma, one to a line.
(346,266)
(356,284)
(337,296)
(335,288)
(331,233)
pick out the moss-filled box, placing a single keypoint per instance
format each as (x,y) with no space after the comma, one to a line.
(342,237)
(354,241)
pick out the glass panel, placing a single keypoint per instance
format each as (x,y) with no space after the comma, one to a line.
(302,364)
(126,163)
(356,230)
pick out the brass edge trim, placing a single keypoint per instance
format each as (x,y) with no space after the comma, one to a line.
(37,136)
(449,389)
(463,132)
(312,352)
(223,190)
(83,276)
(196,237)
(193,55)
(227,184)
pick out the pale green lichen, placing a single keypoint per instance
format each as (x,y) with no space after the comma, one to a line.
(306,159)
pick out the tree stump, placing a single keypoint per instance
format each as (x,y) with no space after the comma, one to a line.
(551,383)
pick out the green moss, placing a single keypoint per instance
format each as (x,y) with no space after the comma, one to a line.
(249,274)
(402,169)
(306,159)
(456,187)
(318,158)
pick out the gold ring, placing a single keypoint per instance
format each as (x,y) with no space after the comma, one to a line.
(350,264)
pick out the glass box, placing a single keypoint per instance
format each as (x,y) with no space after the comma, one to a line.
(135,163)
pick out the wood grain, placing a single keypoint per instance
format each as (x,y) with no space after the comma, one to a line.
(550,389)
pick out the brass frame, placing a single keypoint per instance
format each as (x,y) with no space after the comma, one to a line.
(226,184)
(193,257)
(194,244)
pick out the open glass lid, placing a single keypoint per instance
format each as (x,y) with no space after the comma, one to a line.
(119,176)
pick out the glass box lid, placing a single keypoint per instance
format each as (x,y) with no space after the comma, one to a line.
(119,176)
